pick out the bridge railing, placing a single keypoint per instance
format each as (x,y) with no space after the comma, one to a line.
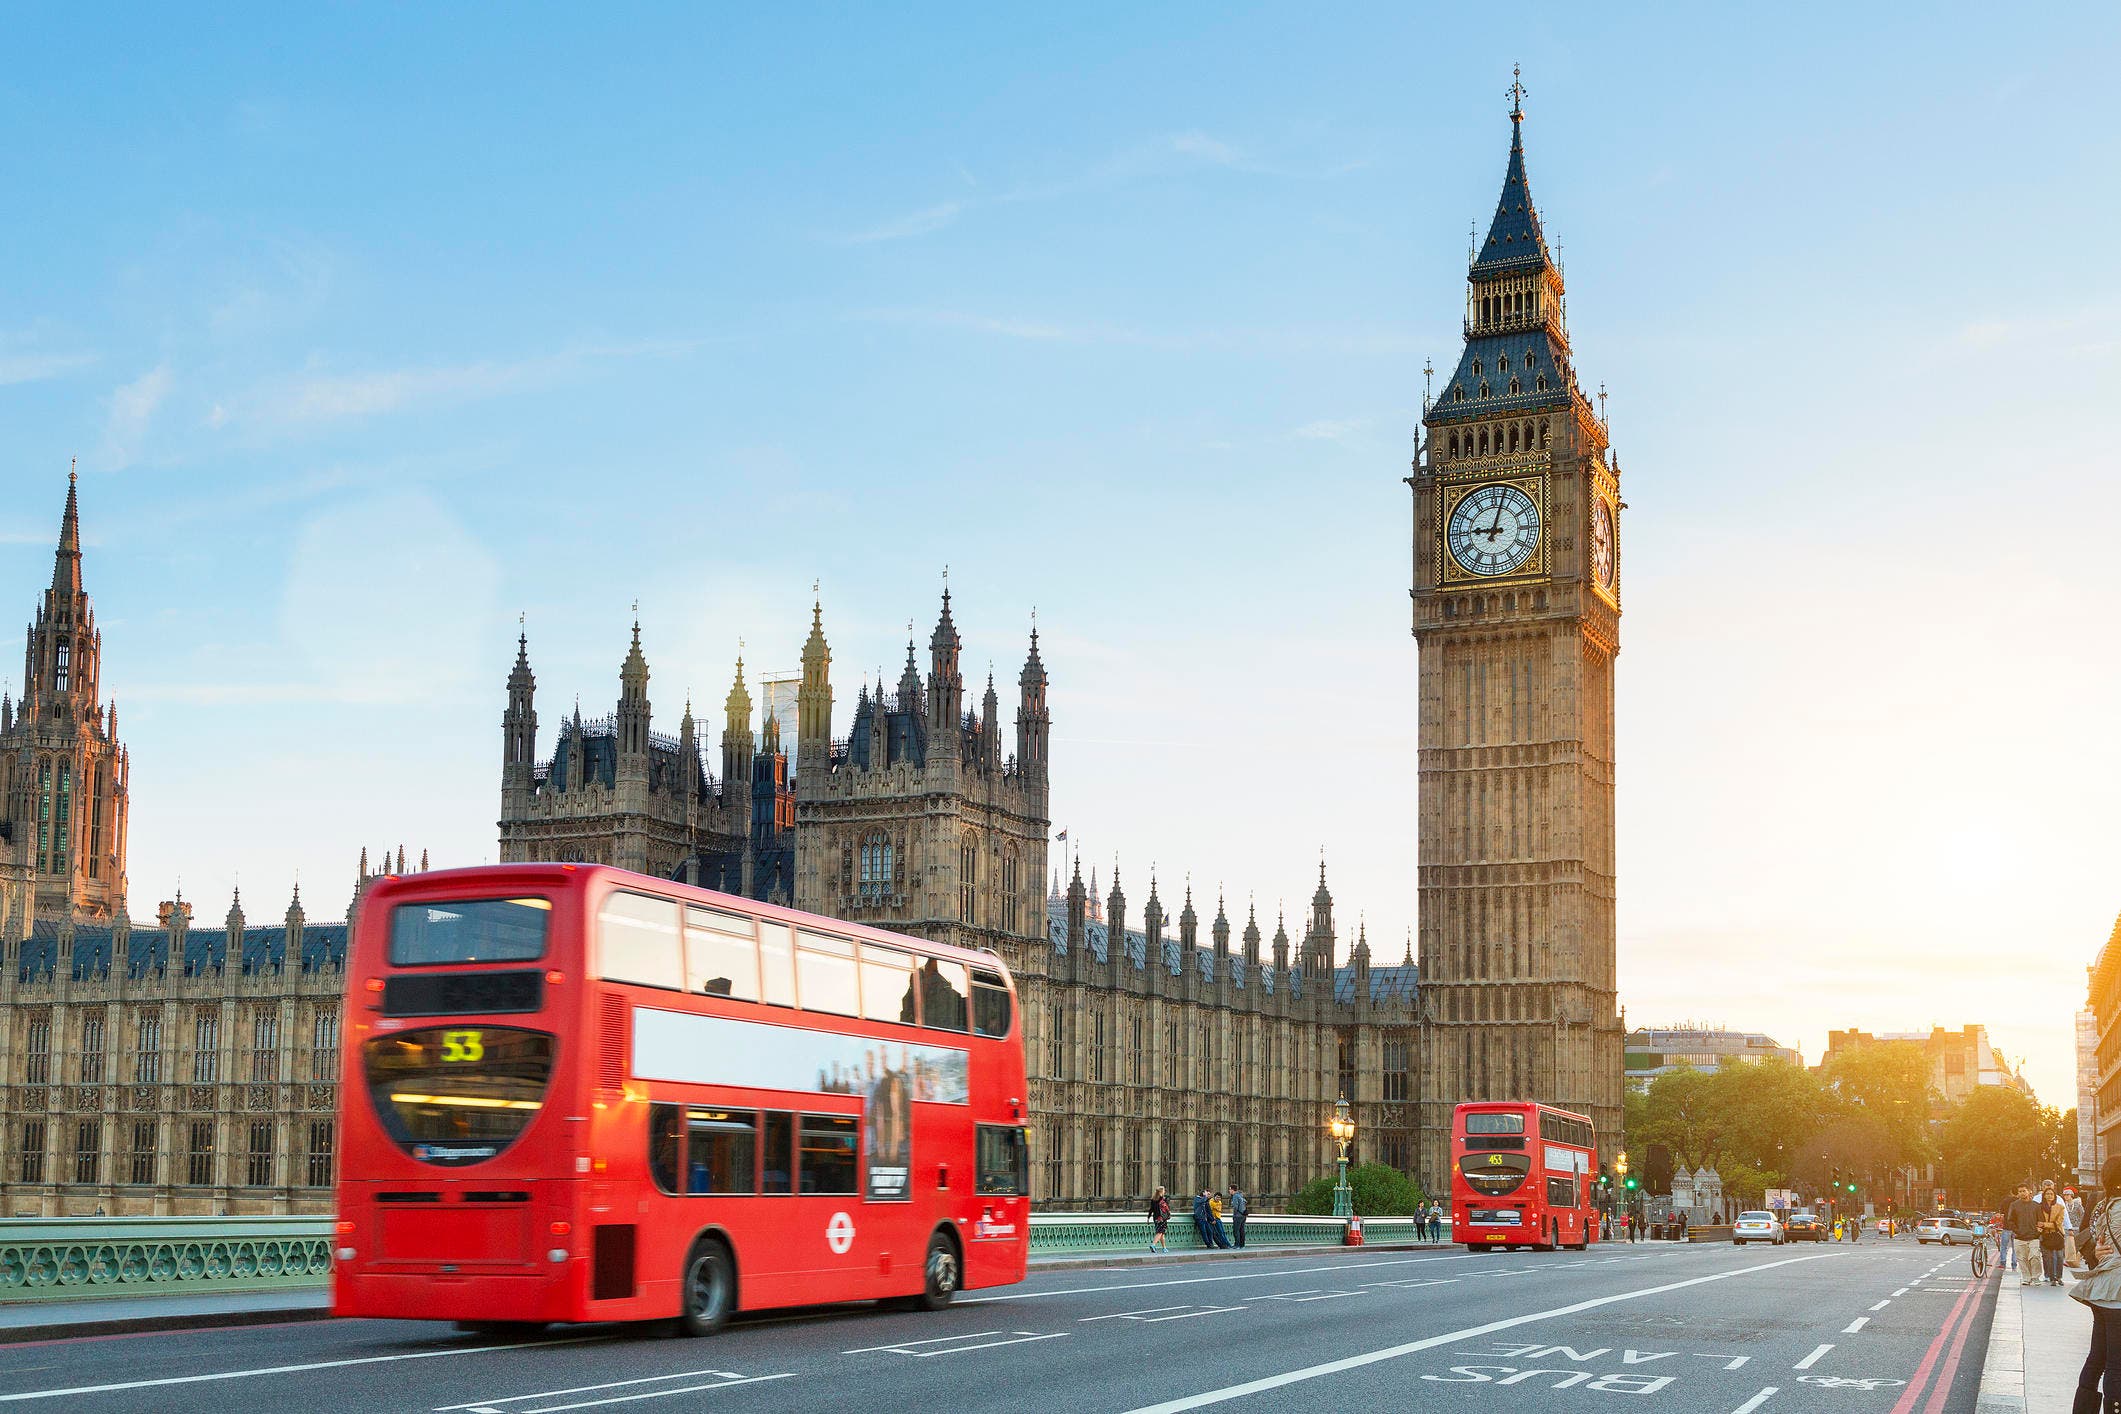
(71,1259)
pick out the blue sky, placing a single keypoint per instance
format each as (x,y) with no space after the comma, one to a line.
(375,328)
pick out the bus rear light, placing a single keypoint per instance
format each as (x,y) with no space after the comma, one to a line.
(566,868)
(342,1225)
(597,1165)
(554,977)
(560,1229)
(374,984)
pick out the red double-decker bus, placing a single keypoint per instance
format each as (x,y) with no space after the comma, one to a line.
(573,1093)
(1522,1175)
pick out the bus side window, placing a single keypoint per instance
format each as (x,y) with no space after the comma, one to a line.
(887,986)
(825,976)
(776,965)
(638,941)
(777,1154)
(1003,1167)
(943,993)
(719,1152)
(828,1154)
(665,1151)
(721,957)
(990,1005)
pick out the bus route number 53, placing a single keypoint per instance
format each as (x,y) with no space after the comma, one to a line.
(462,1046)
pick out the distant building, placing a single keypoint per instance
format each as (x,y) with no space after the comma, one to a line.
(1960,1061)
(1654,1051)
(2090,1157)
(2104,1002)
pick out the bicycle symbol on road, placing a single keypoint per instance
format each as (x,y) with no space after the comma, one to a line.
(1848,1382)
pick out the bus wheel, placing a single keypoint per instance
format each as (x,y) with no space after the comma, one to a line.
(940,1275)
(710,1289)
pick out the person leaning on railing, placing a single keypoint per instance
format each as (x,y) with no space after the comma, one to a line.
(2100,1245)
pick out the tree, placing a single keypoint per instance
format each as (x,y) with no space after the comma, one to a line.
(1683,1113)
(1770,1110)
(1381,1191)
(1995,1139)
(1889,1081)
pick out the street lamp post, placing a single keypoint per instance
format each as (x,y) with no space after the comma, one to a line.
(1342,1128)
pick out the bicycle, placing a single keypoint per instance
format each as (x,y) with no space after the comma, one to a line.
(1980,1256)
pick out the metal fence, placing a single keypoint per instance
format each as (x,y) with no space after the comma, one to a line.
(71,1259)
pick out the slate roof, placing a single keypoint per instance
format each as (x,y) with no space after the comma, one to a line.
(1387,984)
(1528,355)
(1515,242)
(205,949)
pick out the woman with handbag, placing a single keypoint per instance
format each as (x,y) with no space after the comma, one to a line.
(2100,1244)
(2050,1234)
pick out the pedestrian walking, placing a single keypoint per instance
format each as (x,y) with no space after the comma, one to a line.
(2050,1233)
(1200,1218)
(2072,1226)
(2006,1250)
(1239,1211)
(1215,1220)
(2023,1219)
(1159,1219)
(2100,1244)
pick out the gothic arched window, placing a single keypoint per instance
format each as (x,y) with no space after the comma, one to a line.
(876,865)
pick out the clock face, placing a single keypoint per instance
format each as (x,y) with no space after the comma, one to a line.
(1493,530)
(1602,543)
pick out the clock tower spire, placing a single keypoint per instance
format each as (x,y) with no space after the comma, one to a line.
(1516,602)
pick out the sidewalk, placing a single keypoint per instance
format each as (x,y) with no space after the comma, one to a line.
(2036,1344)
(114,1315)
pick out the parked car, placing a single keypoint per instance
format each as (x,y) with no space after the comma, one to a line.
(1757,1227)
(1952,1232)
(1804,1227)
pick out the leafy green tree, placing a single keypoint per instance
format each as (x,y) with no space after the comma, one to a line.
(1684,1112)
(1769,1110)
(1381,1191)
(1888,1081)
(1996,1138)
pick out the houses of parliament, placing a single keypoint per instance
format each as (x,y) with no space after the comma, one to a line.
(169,1069)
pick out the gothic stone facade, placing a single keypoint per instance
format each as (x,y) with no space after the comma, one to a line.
(1159,1060)
(142,1070)
(1517,613)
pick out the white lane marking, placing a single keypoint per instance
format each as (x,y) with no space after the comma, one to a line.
(932,1340)
(652,1394)
(1355,1362)
(1812,1359)
(1196,1281)
(584,1389)
(1901,1292)
(1020,1338)
(1151,1318)
(1756,1401)
(1856,1325)
(1134,1315)
(1313,1295)
(1883,1304)
(291,1369)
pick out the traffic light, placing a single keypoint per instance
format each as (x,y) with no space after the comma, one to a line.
(1632,1183)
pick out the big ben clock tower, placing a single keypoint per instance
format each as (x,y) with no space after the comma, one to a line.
(1517,614)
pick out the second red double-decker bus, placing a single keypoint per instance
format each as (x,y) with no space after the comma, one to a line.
(1521,1176)
(577,1094)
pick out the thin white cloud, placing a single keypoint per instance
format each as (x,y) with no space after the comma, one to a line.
(1331,429)
(1164,155)
(320,397)
(1278,342)
(132,408)
(27,367)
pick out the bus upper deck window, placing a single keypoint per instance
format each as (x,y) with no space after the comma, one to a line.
(448,931)
(990,1005)
(721,955)
(639,941)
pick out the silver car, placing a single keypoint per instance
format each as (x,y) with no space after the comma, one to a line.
(1757,1227)
(1952,1232)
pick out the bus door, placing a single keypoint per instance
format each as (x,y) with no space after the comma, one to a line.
(1000,1232)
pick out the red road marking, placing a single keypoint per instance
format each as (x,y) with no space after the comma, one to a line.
(1906,1403)
(1951,1362)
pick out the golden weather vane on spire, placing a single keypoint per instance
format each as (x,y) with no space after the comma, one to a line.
(1516,93)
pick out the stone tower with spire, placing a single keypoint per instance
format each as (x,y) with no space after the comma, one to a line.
(1516,600)
(63,772)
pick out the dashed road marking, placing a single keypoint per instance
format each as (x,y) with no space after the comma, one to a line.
(632,1398)
(1883,1304)
(1856,1325)
(1756,1401)
(1812,1359)
(905,1347)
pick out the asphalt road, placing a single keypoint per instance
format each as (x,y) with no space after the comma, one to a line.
(1887,1327)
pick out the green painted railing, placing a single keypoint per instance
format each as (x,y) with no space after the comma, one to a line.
(71,1259)
(80,1258)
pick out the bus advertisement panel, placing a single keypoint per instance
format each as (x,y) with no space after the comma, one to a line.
(1523,1175)
(577,1094)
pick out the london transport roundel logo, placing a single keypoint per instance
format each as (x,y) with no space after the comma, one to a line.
(840,1233)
